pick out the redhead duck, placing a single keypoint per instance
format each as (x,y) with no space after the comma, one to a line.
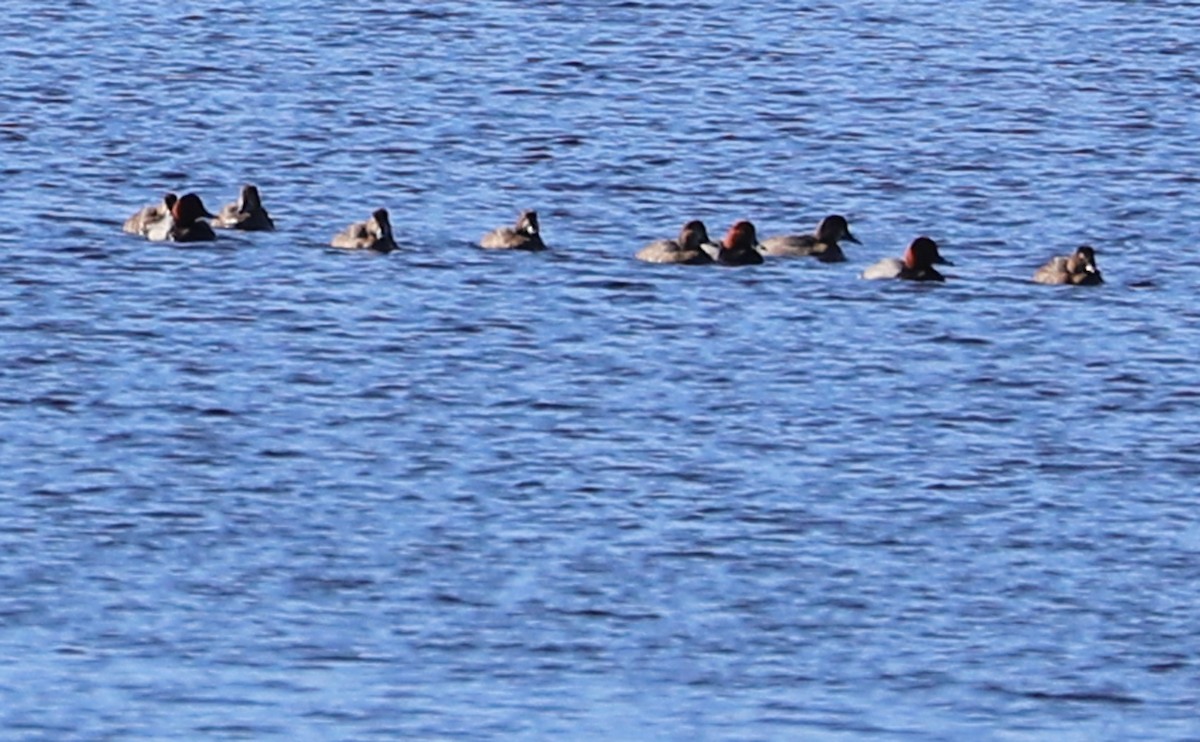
(373,234)
(740,246)
(917,264)
(246,213)
(185,224)
(685,249)
(147,216)
(523,235)
(821,244)
(1078,269)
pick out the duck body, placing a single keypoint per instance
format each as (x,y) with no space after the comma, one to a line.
(373,234)
(886,268)
(803,245)
(524,235)
(687,249)
(146,217)
(1077,269)
(821,244)
(197,231)
(247,213)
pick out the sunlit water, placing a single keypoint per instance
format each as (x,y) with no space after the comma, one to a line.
(264,489)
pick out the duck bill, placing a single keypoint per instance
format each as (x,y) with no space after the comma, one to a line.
(851,238)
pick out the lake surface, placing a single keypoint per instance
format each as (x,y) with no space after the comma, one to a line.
(262,489)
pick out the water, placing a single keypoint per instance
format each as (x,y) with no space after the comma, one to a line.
(263,489)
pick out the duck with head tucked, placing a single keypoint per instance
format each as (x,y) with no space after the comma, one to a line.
(147,216)
(916,265)
(185,223)
(246,213)
(687,249)
(524,235)
(1077,269)
(822,244)
(373,234)
(740,246)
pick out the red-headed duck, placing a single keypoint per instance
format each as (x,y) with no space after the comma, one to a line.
(246,213)
(917,265)
(147,216)
(185,224)
(740,246)
(523,235)
(373,234)
(821,244)
(1078,269)
(686,249)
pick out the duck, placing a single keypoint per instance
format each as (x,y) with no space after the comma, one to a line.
(740,246)
(916,265)
(246,213)
(686,249)
(141,222)
(373,234)
(523,235)
(1078,269)
(185,223)
(821,244)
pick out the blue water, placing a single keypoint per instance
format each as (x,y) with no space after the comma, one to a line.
(261,489)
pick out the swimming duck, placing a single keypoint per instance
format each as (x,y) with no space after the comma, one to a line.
(685,249)
(373,234)
(1078,269)
(740,246)
(246,213)
(821,244)
(917,264)
(523,235)
(185,223)
(141,222)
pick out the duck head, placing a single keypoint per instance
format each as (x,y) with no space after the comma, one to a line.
(249,199)
(188,208)
(833,229)
(693,234)
(923,253)
(1083,261)
(381,223)
(741,236)
(527,223)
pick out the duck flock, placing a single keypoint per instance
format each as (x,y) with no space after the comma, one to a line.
(182,219)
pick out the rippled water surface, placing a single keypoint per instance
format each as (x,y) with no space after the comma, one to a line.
(264,489)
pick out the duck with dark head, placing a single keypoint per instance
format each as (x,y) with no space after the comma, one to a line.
(186,223)
(687,249)
(822,244)
(373,234)
(524,235)
(1077,269)
(247,213)
(916,265)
